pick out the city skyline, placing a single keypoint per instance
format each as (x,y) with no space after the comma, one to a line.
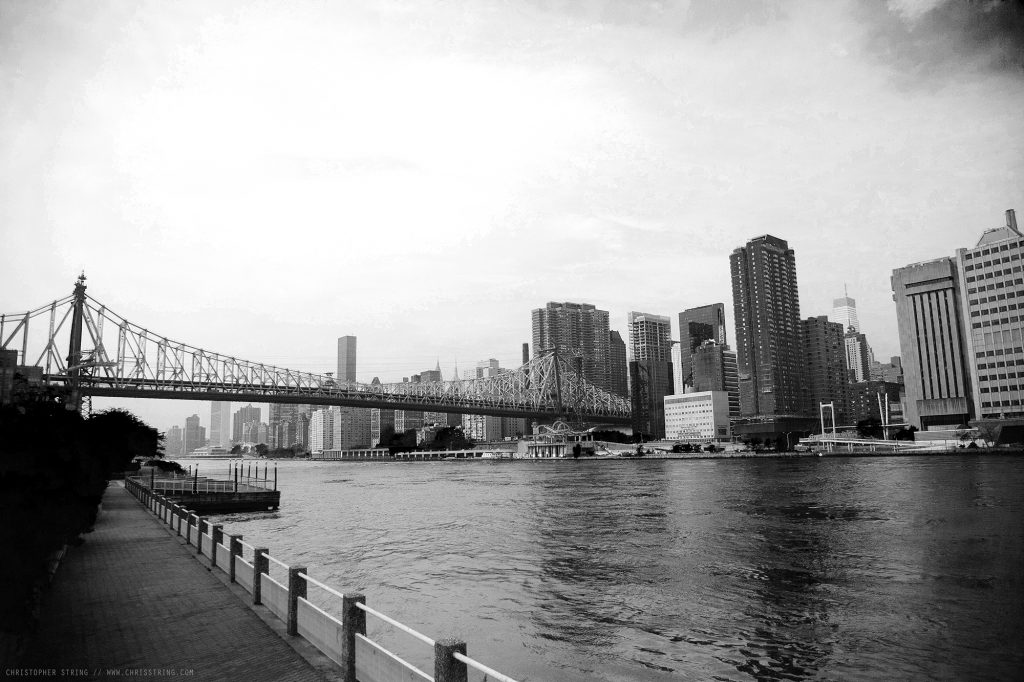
(550,153)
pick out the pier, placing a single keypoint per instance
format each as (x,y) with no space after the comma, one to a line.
(240,492)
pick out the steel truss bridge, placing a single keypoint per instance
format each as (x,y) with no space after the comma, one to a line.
(106,355)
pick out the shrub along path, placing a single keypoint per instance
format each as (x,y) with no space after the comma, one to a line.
(134,601)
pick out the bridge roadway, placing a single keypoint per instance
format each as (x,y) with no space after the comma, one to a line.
(134,599)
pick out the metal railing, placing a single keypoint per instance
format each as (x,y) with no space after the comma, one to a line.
(343,639)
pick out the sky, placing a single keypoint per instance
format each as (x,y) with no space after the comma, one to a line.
(259,178)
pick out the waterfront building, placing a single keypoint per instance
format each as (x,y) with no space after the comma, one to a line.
(844,311)
(174,443)
(346,359)
(697,325)
(858,355)
(351,428)
(698,417)
(650,370)
(766,305)
(407,419)
(992,298)
(321,431)
(242,417)
(575,330)
(380,420)
(481,428)
(932,343)
(220,424)
(881,400)
(195,435)
(618,382)
(713,368)
(825,365)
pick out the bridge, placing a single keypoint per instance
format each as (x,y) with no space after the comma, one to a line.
(111,357)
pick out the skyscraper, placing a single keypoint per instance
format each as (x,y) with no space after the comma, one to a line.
(220,424)
(826,371)
(346,358)
(175,443)
(617,365)
(858,354)
(844,311)
(242,417)
(697,325)
(992,298)
(650,370)
(932,344)
(195,435)
(766,305)
(714,369)
(575,330)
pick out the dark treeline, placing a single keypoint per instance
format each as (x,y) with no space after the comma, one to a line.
(54,467)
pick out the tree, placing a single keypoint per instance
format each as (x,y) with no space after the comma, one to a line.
(452,438)
(870,428)
(261,449)
(236,449)
(710,447)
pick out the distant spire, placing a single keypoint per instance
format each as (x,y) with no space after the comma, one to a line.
(455,372)
(846,291)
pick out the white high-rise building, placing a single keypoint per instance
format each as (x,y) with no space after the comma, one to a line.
(220,424)
(844,311)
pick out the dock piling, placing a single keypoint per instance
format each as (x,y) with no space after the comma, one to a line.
(447,668)
(296,589)
(353,621)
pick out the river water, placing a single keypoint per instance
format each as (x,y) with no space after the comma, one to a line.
(728,569)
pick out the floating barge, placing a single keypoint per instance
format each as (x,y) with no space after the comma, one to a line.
(206,495)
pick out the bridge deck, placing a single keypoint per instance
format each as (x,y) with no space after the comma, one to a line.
(132,597)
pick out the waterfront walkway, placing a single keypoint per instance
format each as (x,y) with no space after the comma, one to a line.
(133,601)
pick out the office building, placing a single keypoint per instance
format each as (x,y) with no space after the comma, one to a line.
(858,355)
(713,368)
(346,359)
(487,369)
(992,298)
(242,417)
(650,370)
(932,343)
(697,325)
(618,382)
(381,421)
(891,371)
(827,377)
(480,428)
(220,424)
(174,443)
(195,435)
(766,305)
(575,330)
(844,311)
(698,417)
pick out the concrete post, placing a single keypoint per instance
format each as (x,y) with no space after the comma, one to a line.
(188,529)
(235,550)
(260,564)
(218,537)
(353,621)
(199,534)
(447,668)
(296,589)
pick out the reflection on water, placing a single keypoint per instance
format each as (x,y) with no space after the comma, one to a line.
(789,569)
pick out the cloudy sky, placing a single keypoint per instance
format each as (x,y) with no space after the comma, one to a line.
(259,178)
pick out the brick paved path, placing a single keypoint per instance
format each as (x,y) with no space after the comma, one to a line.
(133,596)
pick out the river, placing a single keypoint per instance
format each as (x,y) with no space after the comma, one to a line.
(728,569)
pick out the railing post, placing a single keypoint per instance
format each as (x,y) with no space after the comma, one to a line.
(260,564)
(296,589)
(199,534)
(447,668)
(218,537)
(353,621)
(235,550)
(188,529)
